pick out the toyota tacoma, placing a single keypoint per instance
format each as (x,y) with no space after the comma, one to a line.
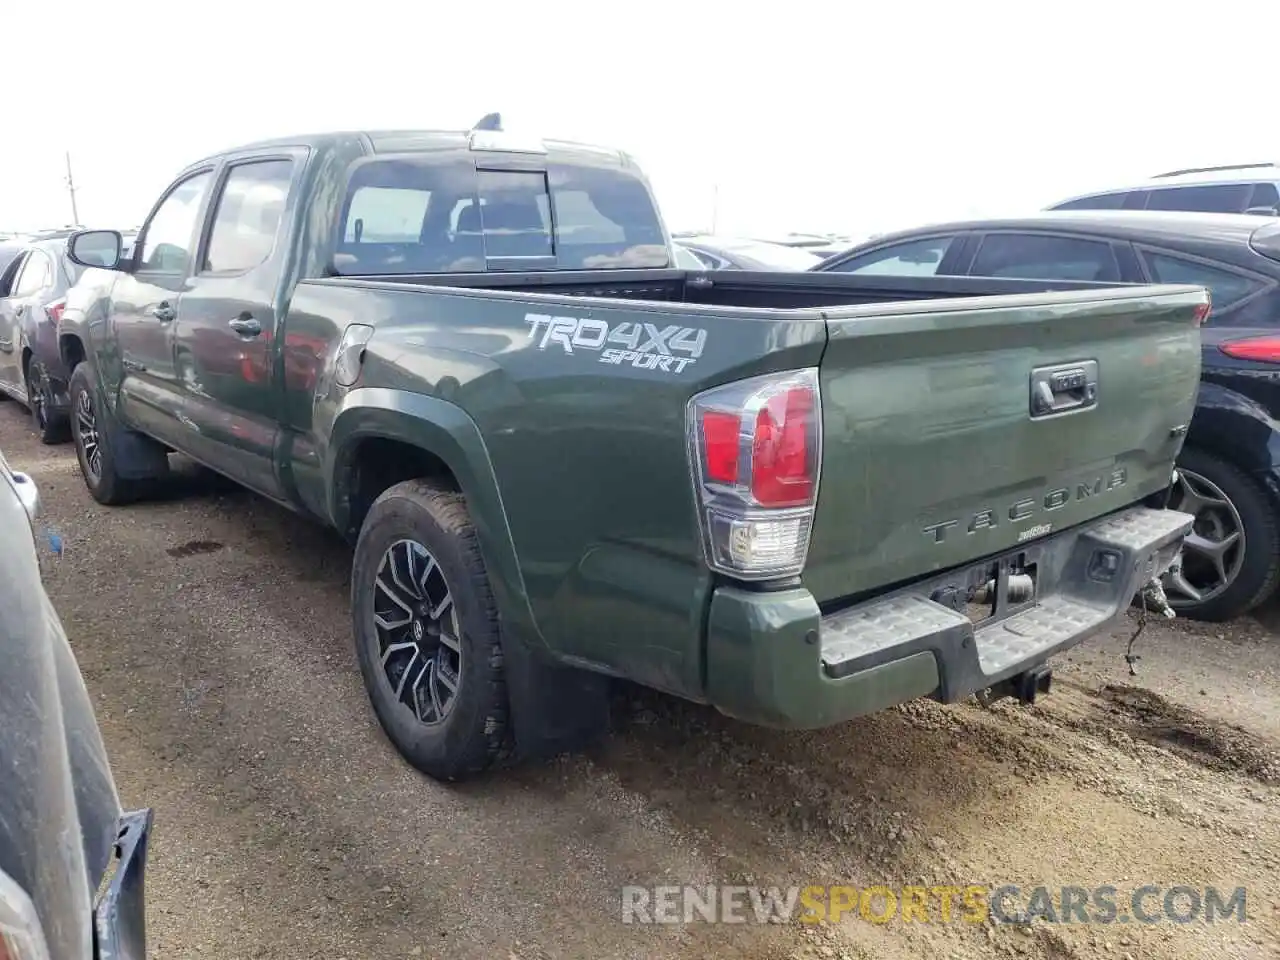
(562,459)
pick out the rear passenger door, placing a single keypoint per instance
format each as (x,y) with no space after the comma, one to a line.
(228,329)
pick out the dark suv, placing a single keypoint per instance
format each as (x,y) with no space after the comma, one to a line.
(1230,464)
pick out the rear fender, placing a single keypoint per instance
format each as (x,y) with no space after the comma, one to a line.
(446,431)
(1239,430)
(554,707)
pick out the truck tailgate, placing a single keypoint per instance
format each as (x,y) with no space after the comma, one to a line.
(959,429)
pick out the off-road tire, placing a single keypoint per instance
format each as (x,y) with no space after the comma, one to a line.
(1260,570)
(109,487)
(474,733)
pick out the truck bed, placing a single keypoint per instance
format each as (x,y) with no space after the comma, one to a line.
(762,290)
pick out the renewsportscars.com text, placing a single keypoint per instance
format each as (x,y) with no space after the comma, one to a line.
(974,903)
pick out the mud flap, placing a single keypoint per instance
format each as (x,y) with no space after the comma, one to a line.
(137,457)
(554,708)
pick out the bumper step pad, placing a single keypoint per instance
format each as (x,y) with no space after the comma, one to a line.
(1085,578)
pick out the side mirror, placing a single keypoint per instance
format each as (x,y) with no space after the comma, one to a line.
(1263,212)
(96,248)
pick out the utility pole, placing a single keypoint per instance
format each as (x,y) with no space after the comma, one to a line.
(71,188)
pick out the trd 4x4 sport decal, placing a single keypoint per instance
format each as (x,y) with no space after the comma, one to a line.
(645,346)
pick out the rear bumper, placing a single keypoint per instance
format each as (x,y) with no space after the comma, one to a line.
(775,659)
(120,918)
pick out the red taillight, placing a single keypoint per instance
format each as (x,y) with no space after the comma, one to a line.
(781,467)
(1262,349)
(54,310)
(757,445)
(721,444)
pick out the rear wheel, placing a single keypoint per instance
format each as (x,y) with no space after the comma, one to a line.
(52,425)
(1231,558)
(426,631)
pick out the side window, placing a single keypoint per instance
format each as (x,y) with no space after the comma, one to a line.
(1265,196)
(1225,198)
(1103,201)
(1226,288)
(1137,200)
(170,235)
(37,273)
(515,213)
(914,258)
(248,216)
(9,278)
(1029,256)
(686,259)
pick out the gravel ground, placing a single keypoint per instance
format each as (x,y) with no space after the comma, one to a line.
(212,630)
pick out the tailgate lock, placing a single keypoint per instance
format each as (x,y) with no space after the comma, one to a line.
(1064,388)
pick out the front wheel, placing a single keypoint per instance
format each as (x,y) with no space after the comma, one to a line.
(1231,558)
(97,438)
(426,632)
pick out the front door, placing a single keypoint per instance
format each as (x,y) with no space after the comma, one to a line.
(145,303)
(226,343)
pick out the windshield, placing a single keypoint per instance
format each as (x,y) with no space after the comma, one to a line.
(779,257)
(685,259)
(412,214)
(761,254)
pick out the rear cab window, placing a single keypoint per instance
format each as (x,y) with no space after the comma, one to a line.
(426,213)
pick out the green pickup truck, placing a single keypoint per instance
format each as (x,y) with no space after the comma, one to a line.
(561,459)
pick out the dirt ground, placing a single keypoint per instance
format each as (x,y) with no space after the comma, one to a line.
(213,633)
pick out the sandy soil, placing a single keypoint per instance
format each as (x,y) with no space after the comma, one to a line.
(212,630)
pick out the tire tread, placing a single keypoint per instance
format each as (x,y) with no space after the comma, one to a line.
(449,510)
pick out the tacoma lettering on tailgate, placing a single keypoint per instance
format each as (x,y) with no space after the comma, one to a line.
(1028,507)
(645,346)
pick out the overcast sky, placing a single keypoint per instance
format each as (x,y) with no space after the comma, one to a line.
(842,116)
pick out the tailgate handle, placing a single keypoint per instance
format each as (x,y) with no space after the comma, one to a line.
(1064,388)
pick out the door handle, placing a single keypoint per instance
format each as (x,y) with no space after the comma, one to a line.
(163,312)
(1064,388)
(20,309)
(245,326)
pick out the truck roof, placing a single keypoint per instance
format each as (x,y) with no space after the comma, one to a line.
(413,141)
